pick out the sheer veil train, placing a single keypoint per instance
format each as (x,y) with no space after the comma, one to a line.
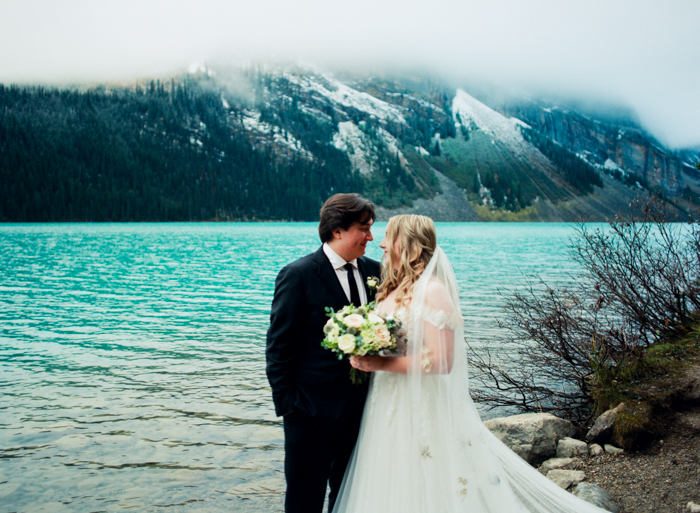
(422,446)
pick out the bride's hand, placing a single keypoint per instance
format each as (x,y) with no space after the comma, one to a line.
(367,363)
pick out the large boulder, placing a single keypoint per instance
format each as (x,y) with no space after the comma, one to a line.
(596,496)
(602,429)
(532,436)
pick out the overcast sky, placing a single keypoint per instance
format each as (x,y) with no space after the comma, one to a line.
(643,53)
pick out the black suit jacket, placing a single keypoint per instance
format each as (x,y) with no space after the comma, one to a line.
(303,375)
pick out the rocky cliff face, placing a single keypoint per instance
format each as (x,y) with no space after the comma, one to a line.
(609,144)
(634,152)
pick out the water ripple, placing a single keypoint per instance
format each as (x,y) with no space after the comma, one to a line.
(132,355)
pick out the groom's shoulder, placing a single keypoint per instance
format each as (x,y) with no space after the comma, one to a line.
(304,263)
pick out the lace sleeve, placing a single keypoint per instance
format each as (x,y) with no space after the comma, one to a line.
(438,344)
(441,319)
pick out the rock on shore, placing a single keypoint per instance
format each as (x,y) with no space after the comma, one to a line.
(542,436)
(595,495)
(663,477)
(532,436)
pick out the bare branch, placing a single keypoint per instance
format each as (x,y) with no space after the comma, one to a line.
(639,284)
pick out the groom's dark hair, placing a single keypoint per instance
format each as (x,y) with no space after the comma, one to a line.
(341,211)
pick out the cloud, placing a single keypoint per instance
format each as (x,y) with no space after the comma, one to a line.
(642,52)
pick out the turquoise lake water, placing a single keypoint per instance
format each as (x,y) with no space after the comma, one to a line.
(132,355)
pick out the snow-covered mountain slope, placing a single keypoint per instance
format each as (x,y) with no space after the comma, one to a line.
(471,114)
(338,93)
(395,133)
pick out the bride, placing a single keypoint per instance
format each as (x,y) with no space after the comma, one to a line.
(422,447)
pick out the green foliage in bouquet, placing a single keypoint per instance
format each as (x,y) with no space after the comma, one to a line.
(359,331)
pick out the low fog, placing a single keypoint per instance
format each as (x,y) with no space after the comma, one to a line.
(643,54)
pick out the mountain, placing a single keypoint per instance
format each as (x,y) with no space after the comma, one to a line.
(272,142)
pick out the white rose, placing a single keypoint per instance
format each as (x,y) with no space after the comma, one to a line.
(371,283)
(381,333)
(375,319)
(354,321)
(346,343)
(331,328)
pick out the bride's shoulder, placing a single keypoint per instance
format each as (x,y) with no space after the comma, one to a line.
(437,296)
(439,309)
(436,289)
(436,286)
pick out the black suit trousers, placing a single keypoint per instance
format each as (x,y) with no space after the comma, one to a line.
(317,451)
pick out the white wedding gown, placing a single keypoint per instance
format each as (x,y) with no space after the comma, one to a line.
(422,447)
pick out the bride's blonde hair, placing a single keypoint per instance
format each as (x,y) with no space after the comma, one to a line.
(417,243)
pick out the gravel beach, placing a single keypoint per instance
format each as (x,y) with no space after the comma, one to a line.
(662,478)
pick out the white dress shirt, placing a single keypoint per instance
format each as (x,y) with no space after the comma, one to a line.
(338,264)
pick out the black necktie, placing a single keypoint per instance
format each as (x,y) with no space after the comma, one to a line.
(354,294)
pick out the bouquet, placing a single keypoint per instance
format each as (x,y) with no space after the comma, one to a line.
(358,332)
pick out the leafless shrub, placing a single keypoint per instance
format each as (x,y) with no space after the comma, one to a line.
(638,285)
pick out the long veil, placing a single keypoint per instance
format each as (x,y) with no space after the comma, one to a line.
(438,455)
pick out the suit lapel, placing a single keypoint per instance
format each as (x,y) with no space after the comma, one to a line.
(329,278)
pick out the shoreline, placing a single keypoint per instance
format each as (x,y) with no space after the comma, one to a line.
(664,477)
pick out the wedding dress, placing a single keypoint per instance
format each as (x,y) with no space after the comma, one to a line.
(422,447)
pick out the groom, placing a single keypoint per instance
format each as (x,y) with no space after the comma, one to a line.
(311,388)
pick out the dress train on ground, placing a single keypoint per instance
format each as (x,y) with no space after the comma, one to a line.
(422,447)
